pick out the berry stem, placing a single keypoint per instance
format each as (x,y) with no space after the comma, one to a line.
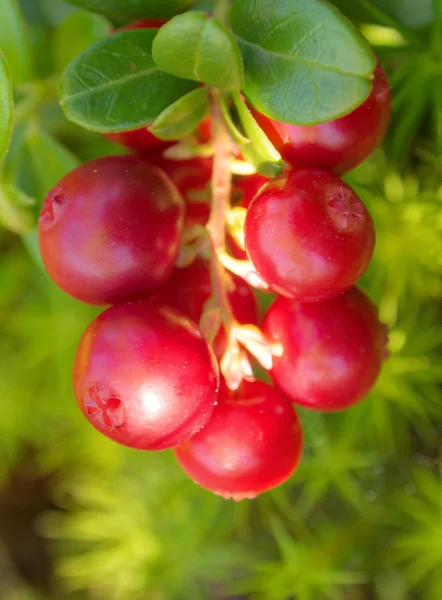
(221,189)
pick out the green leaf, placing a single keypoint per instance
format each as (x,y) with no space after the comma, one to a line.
(260,151)
(204,5)
(16,209)
(182,117)
(76,33)
(304,62)
(14,42)
(116,86)
(195,47)
(6,105)
(133,9)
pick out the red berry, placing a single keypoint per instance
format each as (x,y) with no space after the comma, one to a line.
(252,443)
(110,230)
(338,145)
(246,188)
(332,351)
(144,376)
(192,178)
(137,139)
(188,289)
(143,24)
(308,235)
(141,138)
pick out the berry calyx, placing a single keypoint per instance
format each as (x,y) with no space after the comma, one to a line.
(338,145)
(308,235)
(110,230)
(144,376)
(332,352)
(252,443)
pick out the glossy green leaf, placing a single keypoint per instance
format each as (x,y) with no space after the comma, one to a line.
(6,105)
(304,62)
(204,5)
(259,151)
(195,47)
(14,42)
(16,210)
(133,9)
(76,33)
(182,117)
(115,84)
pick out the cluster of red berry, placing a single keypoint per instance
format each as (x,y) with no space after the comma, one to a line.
(145,376)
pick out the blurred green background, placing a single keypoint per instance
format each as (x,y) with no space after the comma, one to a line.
(82,518)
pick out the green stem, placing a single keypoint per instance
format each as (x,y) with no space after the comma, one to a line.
(222,10)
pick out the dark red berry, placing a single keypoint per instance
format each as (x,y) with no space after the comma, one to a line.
(110,230)
(192,178)
(308,235)
(188,290)
(144,376)
(143,24)
(338,145)
(332,351)
(246,188)
(252,443)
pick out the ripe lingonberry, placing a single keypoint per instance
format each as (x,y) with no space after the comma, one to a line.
(308,235)
(110,230)
(246,188)
(252,443)
(188,289)
(144,376)
(192,178)
(338,145)
(332,351)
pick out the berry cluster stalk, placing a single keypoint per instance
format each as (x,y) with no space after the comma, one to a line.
(221,188)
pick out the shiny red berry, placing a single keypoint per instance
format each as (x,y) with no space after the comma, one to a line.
(188,290)
(308,235)
(110,230)
(246,188)
(144,376)
(252,443)
(192,178)
(338,145)
(332,351)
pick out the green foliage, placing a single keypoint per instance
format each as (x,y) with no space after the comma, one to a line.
(182,117)
(133,9)
(195,47)
(14,41)
(101,89)
(76,33)
(291,73)
(16,212)
(6,105)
